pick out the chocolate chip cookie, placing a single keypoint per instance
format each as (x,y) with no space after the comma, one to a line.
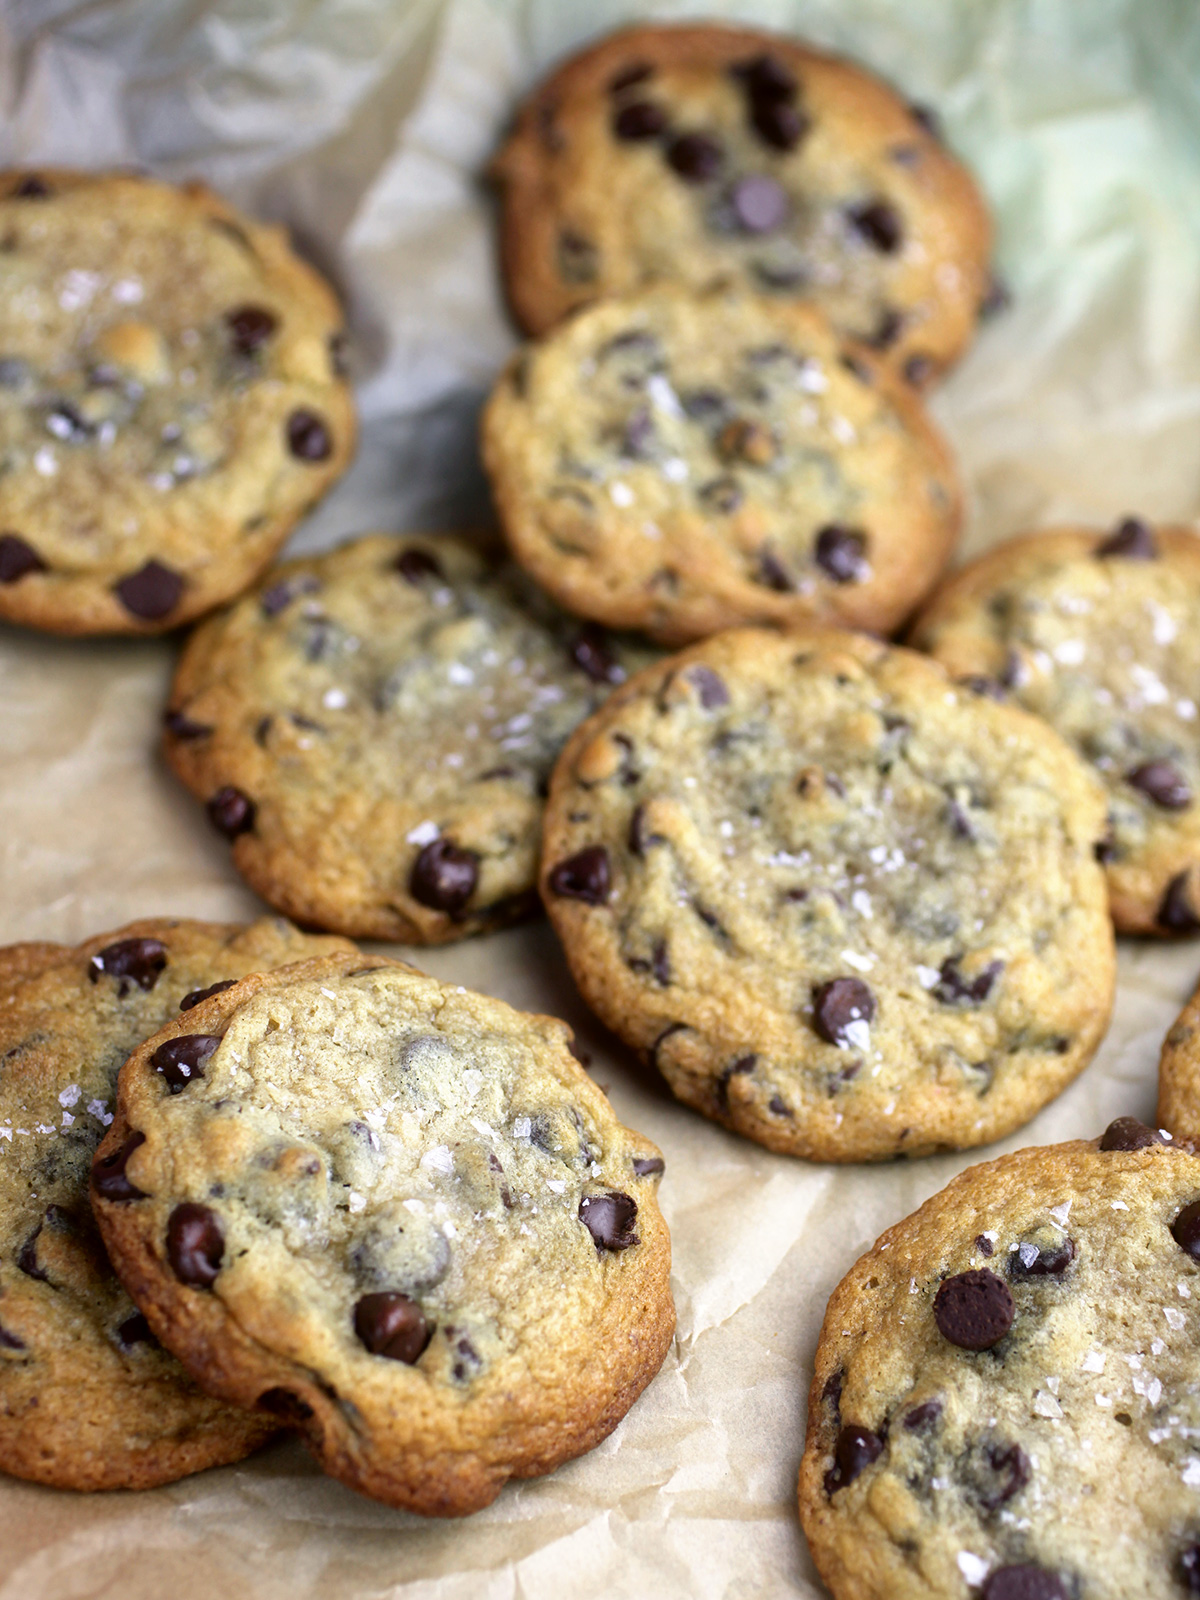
(396,1214)
(1179,1075)
(170,400)
(88,1397)
(847,908)
(374,729)
(1099,633)
(1006,1401)
(683,462)
(711,154)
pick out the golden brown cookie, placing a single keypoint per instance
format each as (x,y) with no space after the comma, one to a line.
(170,400)
(1179,1075)
(397,1214)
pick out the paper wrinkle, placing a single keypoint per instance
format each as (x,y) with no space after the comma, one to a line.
(364,124)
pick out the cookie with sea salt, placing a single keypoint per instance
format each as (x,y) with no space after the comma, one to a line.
(1099,633)
(400,1216)
(374,728)
(682,462)
(88,1397)
(708,154)
(171,400)
(847,908)
(1006,1397)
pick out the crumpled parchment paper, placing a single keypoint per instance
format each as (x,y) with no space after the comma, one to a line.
(364,124)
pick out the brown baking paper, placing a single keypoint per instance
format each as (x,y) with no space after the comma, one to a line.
(365,124)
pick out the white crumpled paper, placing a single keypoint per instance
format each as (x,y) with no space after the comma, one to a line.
(365,124)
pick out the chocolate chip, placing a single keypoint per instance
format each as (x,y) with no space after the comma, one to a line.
(1176,912)
(578,258)
(108,1172)
(27,1260)
(307,436)
(1127,1133)
(9,1341)
(181,1060)
(135,1330)
(17,559)
(639,437)
(392,1325)
(150,592)
(590,653)
(918,370)
(855,1450)
(639,840)
(648,1166)
(415,565)
(842,1009)
(626,77)
(695,157)
(879,224)
(285,1404)
(952,988)
(661,964)
(1189,1569)
(137,961)
(922,1417)
(766,78)
(610,1219)
(640,119)
(887,330)
(584,876)
(280,595)
(30,188)
(195,1244)
(702,403)
(760,204)
(250,327)
(984,1245)
(180,726)
(1029,1261)
(974,1310)
(1024,1582)
(778,124)
(444,877)
(1001,1471)
(709,685)
(841,552)
(1162,782)
(773,573)
(1185,1230)
(195,996)
(722,494)
(1105,850)
(831,1394)
(231,812)
(1132,540)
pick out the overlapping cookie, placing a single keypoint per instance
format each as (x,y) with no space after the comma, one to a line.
(396,1214)
(708,154)
(847,908)
(683,463)
(88,1397)
(374,729)
(1006,1399)
(1099,633)
(170,400)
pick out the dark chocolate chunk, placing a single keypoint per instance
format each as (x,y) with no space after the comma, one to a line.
(841,552)
(108,1172)
(1028,1260)
(974,1310)
(17,559)
(392,1325)
(1132,540)
(1176,911)
(150,592)
(415,565)
(250,327)
(443,877)
(1185,1230)
(879,224)
(648,1166)
(639,840)
(181,1060)
(195,1244)
(998,1472)
(722,494)
(759,203)
(1162,782)
(578,258)
(180,726)
(923,1416)
(133,961)
(9,1341)
(952,988)
(590,653)
(838,1006)
(1127,1133)
(135,1330)
(231,812)
(1024,1582)
(778,124)
(855,1450)
(984,1245)
(766,78)
(30,187)
(278,596)
(611,1219)
(583,876)
(695,157)
(308,437)
(709,685)
(27,1261)
(640,119)
(195,996)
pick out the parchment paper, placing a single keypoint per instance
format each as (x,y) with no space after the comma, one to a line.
(364,124)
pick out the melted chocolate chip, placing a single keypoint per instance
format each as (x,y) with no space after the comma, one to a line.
(922,1417)
(974,1310)
(150,592)
(589,651)
(30,188)
(250,327)
(1127,1133)
(640,119)
(415,566)
(180,726)
(182,1060)
(288,1406)
(135,1330)
(879,224)
(308,437)
(9,1341)
(444,877)
(1162,782)
(1024,1582)
(648,1166)
(1028,1261)
(17,559)
(831,1394)
(661,964)
(231,812)
(766,78)
(639,839)
(841,552)
(695,157)
(1002,1471)
(611,1220)
(840,1007)
(759,203)
(195,996)
(280,595)
(1132,540)
(393,1326)
(27,1260)
(709,685)
(584,876)
(1185,1230)
(108,1172)
(133,961)
(952,988)
(778,124)
(1176,912)
(195,1244)
(855,1450)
